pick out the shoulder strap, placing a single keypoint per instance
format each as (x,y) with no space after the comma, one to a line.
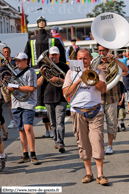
(22,72)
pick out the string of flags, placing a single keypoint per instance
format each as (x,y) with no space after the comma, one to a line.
(67,1)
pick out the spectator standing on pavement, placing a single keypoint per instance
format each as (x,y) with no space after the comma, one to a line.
(54,100)
(2,121)
(7,97)
(110,98)
(88,117)
(3,155)
(24,111)
(71,51)
(125,76)
(121,107)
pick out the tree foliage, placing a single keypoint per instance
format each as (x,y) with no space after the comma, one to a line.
(115,7)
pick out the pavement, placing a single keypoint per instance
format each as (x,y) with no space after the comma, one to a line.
(65,170)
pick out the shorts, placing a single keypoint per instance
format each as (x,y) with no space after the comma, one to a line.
(121,113)
(45,120)
(110,111)
(23,117)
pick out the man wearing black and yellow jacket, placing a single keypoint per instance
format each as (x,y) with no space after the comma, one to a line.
(34,48)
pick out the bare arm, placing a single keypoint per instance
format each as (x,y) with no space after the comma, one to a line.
(121,65)
(40,81)
(72,89)
(23,89)
(122,98)
(101,86)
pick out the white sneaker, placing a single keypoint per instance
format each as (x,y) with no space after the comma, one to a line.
(12,125)
(47,134)
(51,133)
(109,150)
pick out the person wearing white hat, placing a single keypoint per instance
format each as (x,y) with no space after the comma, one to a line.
(54,100)
(24,111)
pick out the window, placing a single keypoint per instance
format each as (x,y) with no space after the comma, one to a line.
(63,34)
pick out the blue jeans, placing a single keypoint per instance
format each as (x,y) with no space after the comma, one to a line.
(56,113)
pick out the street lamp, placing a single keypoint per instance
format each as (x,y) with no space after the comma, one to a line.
(36,10)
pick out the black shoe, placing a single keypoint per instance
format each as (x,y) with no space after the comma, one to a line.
(118,129)
(123,127)
(5,136)
(61,149)
(2,163)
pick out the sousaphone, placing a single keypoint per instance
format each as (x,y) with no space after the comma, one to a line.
(111,31)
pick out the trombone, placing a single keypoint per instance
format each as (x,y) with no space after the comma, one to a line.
(89,77)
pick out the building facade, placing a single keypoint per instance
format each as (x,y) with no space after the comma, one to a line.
(10,19)
(69,29)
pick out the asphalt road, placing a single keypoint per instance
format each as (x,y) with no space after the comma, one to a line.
(65,170)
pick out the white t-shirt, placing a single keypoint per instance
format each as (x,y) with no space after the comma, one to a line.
(87,96)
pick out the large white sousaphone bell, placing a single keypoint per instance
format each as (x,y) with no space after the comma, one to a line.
(111,31)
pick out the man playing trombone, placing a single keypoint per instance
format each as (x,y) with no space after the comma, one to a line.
(87,117)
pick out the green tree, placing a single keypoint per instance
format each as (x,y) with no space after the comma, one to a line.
(115,7)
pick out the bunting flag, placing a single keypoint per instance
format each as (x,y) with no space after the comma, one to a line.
(23,21)
(78,1)
(67,1)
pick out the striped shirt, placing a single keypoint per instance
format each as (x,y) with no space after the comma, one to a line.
(112,95)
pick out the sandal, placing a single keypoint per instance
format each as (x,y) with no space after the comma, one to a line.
(5,136)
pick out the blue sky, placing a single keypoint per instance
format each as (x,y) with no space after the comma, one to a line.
(58,11)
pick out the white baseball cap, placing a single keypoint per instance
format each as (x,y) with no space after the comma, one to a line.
(54,50)
(21,56)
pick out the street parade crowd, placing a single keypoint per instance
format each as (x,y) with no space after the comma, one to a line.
(45,87)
